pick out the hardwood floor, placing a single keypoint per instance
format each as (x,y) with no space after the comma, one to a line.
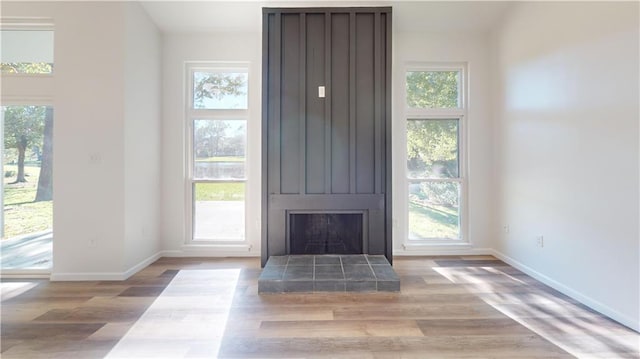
(448,307)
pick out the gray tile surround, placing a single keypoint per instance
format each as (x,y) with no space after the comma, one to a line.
(328,273)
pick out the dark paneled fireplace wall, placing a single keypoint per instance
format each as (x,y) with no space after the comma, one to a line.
(326,121)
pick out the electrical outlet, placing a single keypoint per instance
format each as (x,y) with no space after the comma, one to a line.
(505,228)
(95,158)
(540,241)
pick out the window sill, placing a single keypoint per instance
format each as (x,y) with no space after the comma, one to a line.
(210,244)
(435,245)
(425,248)
(25,273)
(209,248)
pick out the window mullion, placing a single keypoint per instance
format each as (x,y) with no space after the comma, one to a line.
(218,114)
(421,114)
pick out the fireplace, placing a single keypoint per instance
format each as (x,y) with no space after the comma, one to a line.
(326,131)
(326,233)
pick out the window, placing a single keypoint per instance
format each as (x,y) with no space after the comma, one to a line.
(217,120)
(26,134)
(435,169)
(27,51)
(27,188)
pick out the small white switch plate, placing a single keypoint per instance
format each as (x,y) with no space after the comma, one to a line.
(321,91)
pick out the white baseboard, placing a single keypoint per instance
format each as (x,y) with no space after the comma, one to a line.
(105,276)
(87,276)
(186,251)
(142,265)
(632,323)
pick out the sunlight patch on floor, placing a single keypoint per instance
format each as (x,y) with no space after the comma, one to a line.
(13,289)
(187,320)
(565,324)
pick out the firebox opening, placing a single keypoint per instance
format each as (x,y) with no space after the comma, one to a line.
(326,233)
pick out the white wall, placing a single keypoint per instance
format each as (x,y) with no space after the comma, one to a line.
(88,144)
(471,48)
(567,149)
(219,47)
(88,92)
(142,132)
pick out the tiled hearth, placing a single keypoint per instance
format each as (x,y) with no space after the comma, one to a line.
(328,273)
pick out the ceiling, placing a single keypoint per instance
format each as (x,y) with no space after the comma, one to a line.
(246,16)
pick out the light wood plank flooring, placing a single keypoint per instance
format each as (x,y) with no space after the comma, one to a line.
(448,307)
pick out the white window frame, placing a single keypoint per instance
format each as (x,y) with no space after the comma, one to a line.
(20,24)
(192,114)
(18,90)
(459,114)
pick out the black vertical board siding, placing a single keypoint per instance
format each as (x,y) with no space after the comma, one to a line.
(289,131)
(264,253)
(383,104)
(328,120)
(352,102)
(340,104)
(377,120)
(274,104)
(388,140)
(302,108)
(365,104)
(315,121)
